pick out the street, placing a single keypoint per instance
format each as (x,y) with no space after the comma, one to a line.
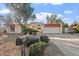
(67,43)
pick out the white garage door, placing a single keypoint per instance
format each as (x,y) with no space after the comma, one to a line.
(51,30)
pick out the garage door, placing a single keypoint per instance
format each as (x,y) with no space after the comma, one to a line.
(51,30)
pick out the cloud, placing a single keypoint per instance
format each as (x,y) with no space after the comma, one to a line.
(59,15)
(56,3)
(68,11)
(42,15)
(4,11)
(77,18)
(67,19)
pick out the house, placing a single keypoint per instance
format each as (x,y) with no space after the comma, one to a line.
(13,27)
(46,28)
(36,26)
(52,28)
(66,30)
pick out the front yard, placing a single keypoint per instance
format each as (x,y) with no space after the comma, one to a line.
(51,50)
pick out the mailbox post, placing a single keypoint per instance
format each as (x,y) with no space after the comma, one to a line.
(20,42)
(23,48)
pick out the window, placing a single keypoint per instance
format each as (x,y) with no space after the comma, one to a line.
(12,28)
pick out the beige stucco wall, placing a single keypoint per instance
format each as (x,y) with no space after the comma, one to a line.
(51,30)
(17,29)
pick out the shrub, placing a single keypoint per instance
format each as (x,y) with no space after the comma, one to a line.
(18,41)
(31,31)
(34,32)
(25,30)
(31,39)
(44,38)
(37,49)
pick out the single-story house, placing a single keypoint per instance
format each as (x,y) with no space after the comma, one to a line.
(13,27)
(43,28)
(52,28)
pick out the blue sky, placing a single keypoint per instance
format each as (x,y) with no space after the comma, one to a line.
(69,12)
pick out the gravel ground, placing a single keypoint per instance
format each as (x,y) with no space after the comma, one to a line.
(53,50)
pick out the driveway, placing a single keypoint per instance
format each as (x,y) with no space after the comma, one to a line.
(67,43)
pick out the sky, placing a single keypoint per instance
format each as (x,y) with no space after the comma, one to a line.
(68,12)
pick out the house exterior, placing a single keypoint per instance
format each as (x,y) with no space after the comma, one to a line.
(66,30)
(13,27)
(36,26)
(46,28)
(52,28)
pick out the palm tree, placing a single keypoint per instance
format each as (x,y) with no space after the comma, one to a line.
(51,19)
(54,18)
(47,17)
(59,21)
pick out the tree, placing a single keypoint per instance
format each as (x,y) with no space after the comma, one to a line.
(75,26)
(53,19)
(59,21)
(65,25)
(21,11)
(47,17)
(33,17)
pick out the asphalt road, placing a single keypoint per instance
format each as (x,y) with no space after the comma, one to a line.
(67,43)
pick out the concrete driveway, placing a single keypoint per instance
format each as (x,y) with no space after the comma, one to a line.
(67,43)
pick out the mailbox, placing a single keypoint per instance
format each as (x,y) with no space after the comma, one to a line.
(18,41)
(44,38)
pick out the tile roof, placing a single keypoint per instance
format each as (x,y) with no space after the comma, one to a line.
(51,25)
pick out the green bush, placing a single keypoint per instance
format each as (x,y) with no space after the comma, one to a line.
(44,38)
(31,39)
(29,30)
(37,49)
(26,30)
(34,32)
